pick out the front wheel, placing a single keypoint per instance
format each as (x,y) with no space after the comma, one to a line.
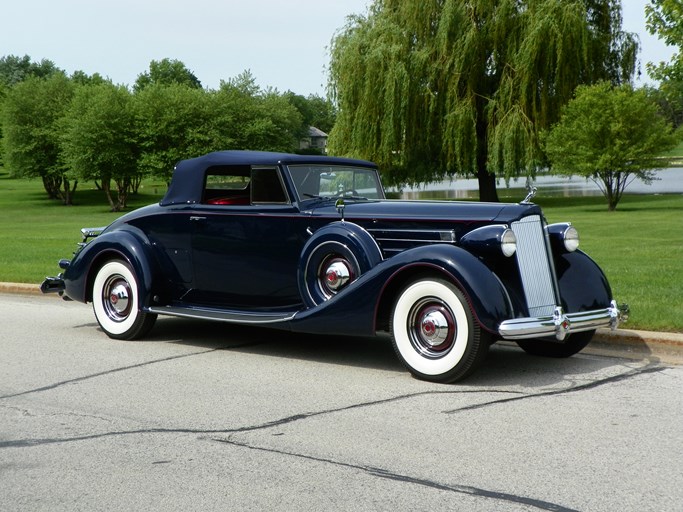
(574,344)
(116,303)
(434,332)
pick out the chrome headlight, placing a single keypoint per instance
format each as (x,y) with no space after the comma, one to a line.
(563,236)
(571,239)
(508,243)
(490,241)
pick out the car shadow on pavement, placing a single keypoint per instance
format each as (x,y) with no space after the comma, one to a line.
(505,364)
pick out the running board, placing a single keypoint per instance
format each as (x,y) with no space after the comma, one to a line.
(238,317)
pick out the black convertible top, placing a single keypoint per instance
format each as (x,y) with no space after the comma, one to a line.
(188,176)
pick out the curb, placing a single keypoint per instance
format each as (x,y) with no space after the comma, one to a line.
(667,347)
(22,288)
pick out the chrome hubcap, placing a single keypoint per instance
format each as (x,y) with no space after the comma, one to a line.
(116,298)
(335,274)
(432,328)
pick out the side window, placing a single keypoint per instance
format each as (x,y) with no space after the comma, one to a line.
(267,187)
(227,185)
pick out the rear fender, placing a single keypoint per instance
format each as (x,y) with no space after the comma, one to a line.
(129,244)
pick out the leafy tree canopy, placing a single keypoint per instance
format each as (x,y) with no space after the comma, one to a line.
(173,122)
(15,69)
(82,78)
(444,87)
(611,135)
(99,139)
(32,112)
(665,19)
(314,110)
(167,72)
(247,117)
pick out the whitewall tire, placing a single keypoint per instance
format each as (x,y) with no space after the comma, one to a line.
(116,302)
(434,332)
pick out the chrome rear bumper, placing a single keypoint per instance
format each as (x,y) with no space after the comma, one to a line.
(560,324)
(53,285)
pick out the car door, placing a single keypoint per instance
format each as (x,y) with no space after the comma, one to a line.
(245,256)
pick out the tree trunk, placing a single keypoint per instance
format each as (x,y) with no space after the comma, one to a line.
(69,191)
(52,186)
(106,186)
(123,188)
(487,186)
(487,181)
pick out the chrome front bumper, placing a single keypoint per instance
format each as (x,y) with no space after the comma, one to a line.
(560,324)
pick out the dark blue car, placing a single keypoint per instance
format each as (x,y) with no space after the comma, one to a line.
(311,244)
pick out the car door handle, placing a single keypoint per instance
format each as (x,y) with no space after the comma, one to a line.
(197,218)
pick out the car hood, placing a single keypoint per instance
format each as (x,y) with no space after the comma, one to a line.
(462,211)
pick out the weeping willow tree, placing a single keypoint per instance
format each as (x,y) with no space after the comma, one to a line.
(430,89)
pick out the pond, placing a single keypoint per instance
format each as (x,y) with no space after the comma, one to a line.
(668,181)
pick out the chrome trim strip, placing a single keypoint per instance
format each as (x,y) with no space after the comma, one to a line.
(560,324)
(91,233)
(413,240)
(444,235)
(237,317)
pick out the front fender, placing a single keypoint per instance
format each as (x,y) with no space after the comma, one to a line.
(357,309)
(583,284)
(129,244)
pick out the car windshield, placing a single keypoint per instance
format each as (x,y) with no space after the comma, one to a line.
(326,181)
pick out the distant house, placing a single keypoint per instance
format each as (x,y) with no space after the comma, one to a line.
(317,139)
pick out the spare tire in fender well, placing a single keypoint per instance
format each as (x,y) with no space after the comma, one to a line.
(348,242)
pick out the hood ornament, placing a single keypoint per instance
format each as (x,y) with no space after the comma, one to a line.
(531,192)
(339,205)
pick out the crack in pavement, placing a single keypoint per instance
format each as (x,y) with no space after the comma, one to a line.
(123,369)
(370,470)
(651,368)
(100,374)
(383,473)
(21,443)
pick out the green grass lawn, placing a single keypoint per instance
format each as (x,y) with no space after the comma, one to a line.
(639,246)
(676,152)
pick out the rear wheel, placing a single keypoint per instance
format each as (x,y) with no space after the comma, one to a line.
(574,344)
(116,302)
(434,332)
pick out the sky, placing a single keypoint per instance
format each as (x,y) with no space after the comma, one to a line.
(284,43)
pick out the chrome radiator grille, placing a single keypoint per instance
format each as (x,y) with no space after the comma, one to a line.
(535,268)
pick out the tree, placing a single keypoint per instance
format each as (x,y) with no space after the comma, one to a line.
(99,139)
(665,19)
(167,72)
(434,89)
(15,69)
(82,78)
(33,109)
(248,118)
(669,97)
(314,110)
(611,135)
(173,122)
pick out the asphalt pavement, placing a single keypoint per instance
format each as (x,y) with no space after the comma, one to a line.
(209,416)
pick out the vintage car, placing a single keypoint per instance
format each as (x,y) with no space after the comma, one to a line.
(311,244)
